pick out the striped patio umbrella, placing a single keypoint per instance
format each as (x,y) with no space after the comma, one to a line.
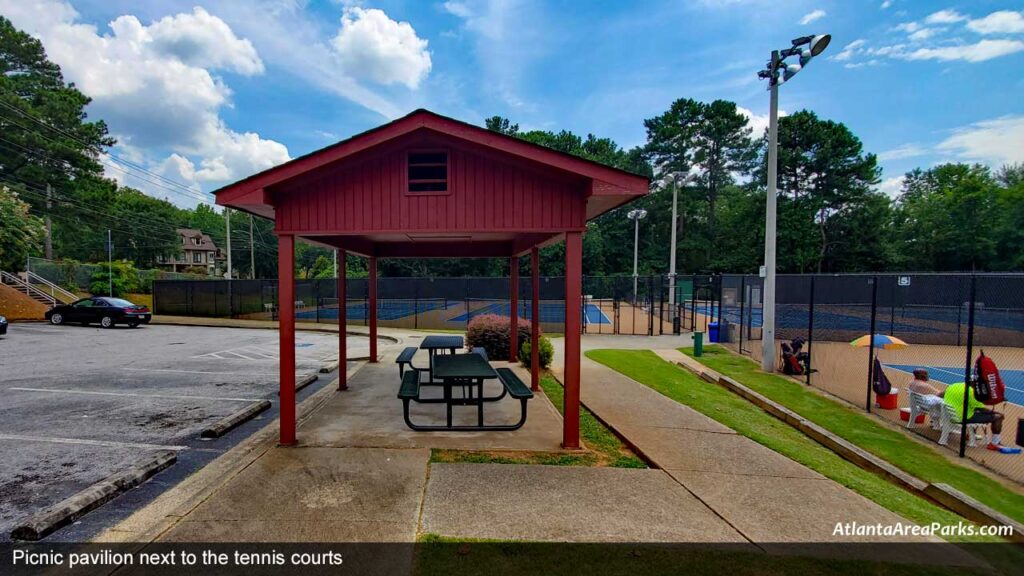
(883,341)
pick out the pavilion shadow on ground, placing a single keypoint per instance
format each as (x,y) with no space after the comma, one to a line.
(369,414)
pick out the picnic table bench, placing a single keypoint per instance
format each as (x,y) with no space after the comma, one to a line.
(468,371)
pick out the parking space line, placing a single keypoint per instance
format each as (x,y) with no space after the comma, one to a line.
(201,372)
(107,443)
(94,393)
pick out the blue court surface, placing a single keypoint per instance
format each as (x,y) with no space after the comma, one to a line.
(553,312)
(1014,379)
(798,317)
(386,310)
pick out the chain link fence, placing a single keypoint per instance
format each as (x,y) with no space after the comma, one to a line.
(945,320)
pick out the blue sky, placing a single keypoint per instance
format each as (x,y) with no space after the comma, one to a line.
(209,92)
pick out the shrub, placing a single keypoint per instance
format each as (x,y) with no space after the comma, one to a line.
(125,279)
(547,351)
(491,332)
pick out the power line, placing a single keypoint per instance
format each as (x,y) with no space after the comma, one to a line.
(184,191)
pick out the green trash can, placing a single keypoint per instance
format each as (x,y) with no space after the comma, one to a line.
(698,343)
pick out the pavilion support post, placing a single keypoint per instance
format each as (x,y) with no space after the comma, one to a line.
(342,320)
(573,290)
(513,289)
(373,309)
(286,327)
(535,319)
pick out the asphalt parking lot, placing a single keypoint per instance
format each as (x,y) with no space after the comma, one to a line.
(80,403)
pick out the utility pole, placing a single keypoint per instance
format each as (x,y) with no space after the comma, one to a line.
(49,225)
(768,308)
(636,216)
(672,248)
(335,263)
(252,252)
(227,223)
(777,73)
(110,264)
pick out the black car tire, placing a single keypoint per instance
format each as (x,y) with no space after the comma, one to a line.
(56,319)
(107,322)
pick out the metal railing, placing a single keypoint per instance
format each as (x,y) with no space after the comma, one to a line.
(54,290)
(29,290)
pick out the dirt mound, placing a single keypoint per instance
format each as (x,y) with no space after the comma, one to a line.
(17,306)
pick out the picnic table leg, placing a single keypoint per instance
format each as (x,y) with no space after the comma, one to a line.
(448,403)
(480,402)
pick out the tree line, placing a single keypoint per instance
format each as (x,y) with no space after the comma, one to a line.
(56,162)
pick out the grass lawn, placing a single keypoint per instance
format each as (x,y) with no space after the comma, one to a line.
(436,555)
(895,446)
(604,448)
(747,419)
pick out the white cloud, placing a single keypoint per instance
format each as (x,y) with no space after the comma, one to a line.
(1001,22)
(979,52)
(945,17)
(909,27)
(849,50)
(155,86)
(812,17)
(892,187)
(372,46)
(758,123)
(886,4)
(995,142)
(901,152)
(924,34)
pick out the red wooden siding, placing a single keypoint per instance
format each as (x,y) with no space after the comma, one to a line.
(486,193)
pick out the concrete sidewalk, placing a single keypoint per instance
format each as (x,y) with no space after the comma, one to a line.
(768,498)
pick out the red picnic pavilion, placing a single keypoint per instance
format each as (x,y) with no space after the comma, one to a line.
(429,186)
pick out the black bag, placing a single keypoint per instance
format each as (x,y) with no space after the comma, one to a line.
(880,382)
(1020,432)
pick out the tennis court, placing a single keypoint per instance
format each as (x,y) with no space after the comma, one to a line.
(1014,379)
(386,309)
(790,316)
(550,312)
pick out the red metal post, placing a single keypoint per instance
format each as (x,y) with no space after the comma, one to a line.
(535,319)
(373,309)
(573,289)
(342,320)
(513,288)
(286,329)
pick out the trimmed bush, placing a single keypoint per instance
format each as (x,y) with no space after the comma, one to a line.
(547,351)
(491,332)
(125,279)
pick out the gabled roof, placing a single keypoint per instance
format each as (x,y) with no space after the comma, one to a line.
(607,180)
(206,243)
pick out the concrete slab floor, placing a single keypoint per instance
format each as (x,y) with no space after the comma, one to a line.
(778,513)
(369,414)
(566,504)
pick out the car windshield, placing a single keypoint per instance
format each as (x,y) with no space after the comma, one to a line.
(119,303)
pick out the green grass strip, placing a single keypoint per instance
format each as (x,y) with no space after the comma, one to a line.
(605,448)
(925,462)
(747,419)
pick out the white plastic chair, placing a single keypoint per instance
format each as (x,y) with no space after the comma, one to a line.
(919,404)
(950,424)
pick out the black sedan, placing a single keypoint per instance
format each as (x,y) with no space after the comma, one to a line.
(106,311)
(3,325)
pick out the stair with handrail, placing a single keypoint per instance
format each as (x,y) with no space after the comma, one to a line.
(55,291)
(31,291)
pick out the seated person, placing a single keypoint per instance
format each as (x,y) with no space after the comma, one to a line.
(921,385)
(979,414)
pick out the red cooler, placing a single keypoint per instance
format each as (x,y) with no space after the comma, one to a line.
(888,401)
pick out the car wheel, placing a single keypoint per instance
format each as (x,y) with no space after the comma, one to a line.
(57,319)
(107,322)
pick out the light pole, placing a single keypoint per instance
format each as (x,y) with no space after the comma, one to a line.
(636,215)
(687,179)
(777,73)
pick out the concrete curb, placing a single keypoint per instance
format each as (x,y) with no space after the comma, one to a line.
(942,494)
(44,522)
(329,367)
(971,509)
(222,426)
